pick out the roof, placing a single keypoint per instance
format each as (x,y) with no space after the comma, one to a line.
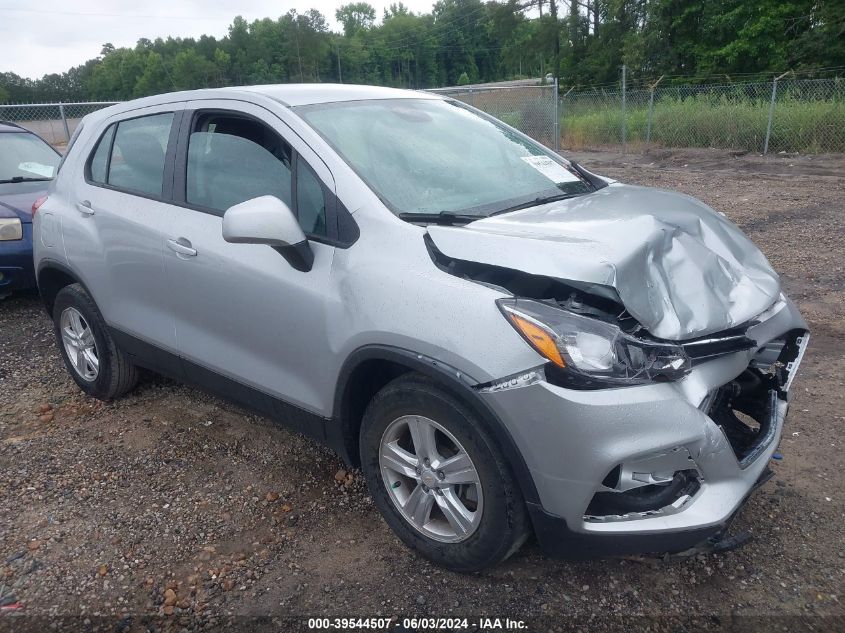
(307,94)
(291,95)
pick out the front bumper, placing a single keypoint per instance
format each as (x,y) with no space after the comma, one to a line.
(16,264)
(572,441)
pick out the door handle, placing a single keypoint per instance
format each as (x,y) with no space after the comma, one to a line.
(182,247)
(84,208)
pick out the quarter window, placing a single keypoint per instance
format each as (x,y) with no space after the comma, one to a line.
(310,201)
(100,161)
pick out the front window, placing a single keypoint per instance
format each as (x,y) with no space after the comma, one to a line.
(24,157)
(425,156)
(232,159)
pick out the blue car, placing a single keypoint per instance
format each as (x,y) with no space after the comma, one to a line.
(27,165)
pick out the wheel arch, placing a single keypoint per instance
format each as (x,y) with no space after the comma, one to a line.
(371,367)
(52,276)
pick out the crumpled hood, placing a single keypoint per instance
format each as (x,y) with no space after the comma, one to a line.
(679,268)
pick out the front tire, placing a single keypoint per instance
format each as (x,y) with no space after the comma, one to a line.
(91,357)
(438,478)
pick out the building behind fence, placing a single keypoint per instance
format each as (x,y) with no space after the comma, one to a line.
(786,114)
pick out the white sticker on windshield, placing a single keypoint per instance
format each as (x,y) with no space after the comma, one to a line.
(45,171)
(555,172)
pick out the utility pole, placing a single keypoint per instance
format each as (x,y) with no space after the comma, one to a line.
(298,56)
(553,11)
(339,73)
(624,144)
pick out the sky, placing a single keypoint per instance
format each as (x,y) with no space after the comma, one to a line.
(38,37)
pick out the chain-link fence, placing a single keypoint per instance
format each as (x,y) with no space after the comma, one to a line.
(791,115)
(527,105)
(786,114)
(54,122)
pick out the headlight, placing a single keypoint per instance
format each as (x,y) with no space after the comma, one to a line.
(10,229)
(591,352)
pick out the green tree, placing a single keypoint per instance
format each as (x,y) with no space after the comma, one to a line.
(355,16)
(191,70)
(154,79)
(586,41)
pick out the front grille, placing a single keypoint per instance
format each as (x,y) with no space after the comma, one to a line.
(746,411)
(746,408)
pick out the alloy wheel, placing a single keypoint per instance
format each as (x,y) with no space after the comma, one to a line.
(80,346)
(431,479)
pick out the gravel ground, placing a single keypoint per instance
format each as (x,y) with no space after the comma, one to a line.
(172,504)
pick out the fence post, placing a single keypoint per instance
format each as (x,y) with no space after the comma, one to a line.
(624,140)
(772,111)
(64,121)
(651,109)
(556,110)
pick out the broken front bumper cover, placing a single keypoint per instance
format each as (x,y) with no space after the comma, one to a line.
(579,444)
(556,539)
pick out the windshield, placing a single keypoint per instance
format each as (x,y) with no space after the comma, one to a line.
(427,156)
(24,156)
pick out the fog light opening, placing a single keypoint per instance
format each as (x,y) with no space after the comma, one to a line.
(644,500)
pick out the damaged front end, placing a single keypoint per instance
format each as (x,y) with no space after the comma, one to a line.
(677,457)
(748,410)
(585,332)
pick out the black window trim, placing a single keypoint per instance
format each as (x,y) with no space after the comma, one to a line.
(169,154)
(334,207)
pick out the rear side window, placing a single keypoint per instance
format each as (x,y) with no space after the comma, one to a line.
(131,153)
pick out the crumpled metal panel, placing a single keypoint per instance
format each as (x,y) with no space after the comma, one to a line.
(681,269)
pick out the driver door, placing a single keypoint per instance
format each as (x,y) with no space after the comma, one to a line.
(246,320)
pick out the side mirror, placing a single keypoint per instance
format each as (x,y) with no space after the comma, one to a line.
(268,220)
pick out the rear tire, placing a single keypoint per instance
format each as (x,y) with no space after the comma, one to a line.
(91,357)
(451,535)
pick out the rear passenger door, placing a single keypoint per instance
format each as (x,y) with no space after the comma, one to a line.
(242,312)
(113,232)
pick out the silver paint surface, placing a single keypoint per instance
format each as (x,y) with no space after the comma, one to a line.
(241,310)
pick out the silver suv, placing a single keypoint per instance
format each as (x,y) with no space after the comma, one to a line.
(504,342)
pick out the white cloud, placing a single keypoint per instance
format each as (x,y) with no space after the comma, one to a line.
(38,37)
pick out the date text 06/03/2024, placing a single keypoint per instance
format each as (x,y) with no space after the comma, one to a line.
(483,625)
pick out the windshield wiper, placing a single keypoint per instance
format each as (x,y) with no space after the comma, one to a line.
(535,202)
(23,179)
(444,217)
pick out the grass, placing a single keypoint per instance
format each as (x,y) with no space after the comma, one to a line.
(799,125)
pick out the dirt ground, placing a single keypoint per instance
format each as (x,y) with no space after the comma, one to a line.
(171,501)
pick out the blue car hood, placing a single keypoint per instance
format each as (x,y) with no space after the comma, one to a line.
(681,269)
(16,199)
